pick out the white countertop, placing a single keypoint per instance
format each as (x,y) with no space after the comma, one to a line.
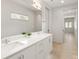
(27,42)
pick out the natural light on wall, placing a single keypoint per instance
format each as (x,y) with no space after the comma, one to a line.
(66,24)
(37,4)
(19,16)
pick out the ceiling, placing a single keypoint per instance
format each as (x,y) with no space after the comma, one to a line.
(52,3)
(57,3)
(25,3)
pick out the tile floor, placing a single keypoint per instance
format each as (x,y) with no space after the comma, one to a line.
(66,50)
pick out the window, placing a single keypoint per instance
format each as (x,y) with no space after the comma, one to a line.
(68,24)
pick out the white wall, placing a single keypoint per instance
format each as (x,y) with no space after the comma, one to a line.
(58,15)
(10,26)
(57,24)
(45,24)
(38,21)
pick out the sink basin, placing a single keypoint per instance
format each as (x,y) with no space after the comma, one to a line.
(11,46)
(30,40)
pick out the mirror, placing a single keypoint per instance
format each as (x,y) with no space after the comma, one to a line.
(20,16)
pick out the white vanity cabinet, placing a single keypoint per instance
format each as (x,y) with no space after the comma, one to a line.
(39,50)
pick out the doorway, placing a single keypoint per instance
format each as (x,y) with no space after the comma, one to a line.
(47,19)
(69,25)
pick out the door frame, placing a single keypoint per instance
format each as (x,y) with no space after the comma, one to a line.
(68,24)
(46,8)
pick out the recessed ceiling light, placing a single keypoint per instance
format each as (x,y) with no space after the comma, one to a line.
(62,1)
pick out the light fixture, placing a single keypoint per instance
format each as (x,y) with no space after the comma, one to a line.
(36,4)
(62,1)
(19,16)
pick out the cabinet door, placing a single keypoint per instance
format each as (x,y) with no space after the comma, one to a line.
(51,43)
(46,45)
(43,49)
(30,53)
